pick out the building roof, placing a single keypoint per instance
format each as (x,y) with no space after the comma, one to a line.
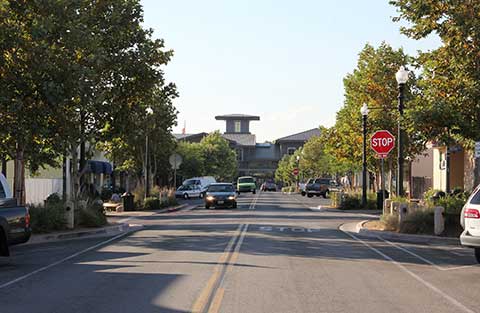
(237,117)
(303,136)
(188,136)
(241,139)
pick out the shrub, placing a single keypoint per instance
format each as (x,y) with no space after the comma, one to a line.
(49,218)
(151,203)
(353,201)
(418,222)
(139,195)
(390,221)
(106,194)
(92,215)
(452,204)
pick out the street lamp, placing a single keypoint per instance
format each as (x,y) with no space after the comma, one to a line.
(298,169)
(148,111)
(402,77)
(364,111)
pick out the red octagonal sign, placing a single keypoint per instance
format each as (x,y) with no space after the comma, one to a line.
(382,142)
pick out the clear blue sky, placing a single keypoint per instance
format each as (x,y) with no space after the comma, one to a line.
(282,60)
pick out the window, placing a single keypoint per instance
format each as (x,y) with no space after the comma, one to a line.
(238,126)
(291,150)
(239,152)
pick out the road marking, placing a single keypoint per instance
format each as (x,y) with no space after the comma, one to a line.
(254,202)
(217,298)
(16,280)
(217,301)
(418,278)
(424,259)
(203,299)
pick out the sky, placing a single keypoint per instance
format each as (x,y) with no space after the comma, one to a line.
(281,60)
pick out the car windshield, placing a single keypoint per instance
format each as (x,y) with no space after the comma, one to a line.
(220,188)
(322,181)
(245,180)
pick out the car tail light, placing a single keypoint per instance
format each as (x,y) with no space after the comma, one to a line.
(472,213)
(27,220)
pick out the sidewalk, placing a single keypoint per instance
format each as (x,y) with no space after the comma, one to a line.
(114,228)
(358,228)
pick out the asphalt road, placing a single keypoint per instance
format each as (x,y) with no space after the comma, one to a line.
(275,253)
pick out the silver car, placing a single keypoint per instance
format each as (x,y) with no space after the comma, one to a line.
(189,191)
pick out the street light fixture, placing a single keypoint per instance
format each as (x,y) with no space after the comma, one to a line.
(364,111)
(148,111)
(402,78)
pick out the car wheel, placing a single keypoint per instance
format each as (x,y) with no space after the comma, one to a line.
(303,193)
(477,254)
(234,205)
(254,191)
(185,196)
(309,195)
(3,245)
(325,195)
(318,195)
(207,206)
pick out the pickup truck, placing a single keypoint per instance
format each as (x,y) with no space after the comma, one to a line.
(318,187)
(14,220)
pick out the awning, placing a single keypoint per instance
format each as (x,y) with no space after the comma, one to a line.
(99,167)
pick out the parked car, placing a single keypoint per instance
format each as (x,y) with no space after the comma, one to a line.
(246,184)
(203,182)
(14,220)
(470,221)
(318,187)
(220,194)
(189,191)
(269,186)
(334,186)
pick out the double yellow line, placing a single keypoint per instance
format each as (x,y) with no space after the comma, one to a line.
(210,298)
(254,202)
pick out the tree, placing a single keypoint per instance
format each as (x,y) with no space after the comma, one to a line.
(220,159)
(212,156)
(372,82)
(449,110)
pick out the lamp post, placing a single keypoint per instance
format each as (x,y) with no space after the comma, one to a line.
(364,111)
(148,112)
(401,77)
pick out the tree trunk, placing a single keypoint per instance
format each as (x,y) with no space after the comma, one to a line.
(19,176)
(4,167)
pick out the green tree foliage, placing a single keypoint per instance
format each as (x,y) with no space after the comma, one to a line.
(372,82)
(316,159)
(451,74)
(212,156)
(77,71)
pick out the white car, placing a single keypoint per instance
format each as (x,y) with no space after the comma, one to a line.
(470,221)
(202,182)
(189,191)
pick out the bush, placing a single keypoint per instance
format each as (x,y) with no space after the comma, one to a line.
(353,201)
(53,199)
(418,222)
(151,203)
(139,196)
(106,194)
(390,222)
(452,204)
(92,216)
(49,218)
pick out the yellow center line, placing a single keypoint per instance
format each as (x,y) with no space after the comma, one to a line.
(202,300)
(217,301)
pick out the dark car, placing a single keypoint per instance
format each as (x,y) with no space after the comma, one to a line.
(14,220)
(269,186)
(221,194)
(318,187)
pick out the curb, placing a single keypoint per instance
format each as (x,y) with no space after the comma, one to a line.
(392,236)
(93,233)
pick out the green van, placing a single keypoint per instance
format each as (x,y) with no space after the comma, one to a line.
(246,184)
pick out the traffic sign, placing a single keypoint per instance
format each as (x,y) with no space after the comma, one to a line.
(477,149)
(295,171)
(382,143)
(175,160)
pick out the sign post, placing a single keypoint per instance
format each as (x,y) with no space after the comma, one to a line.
(477,149)
(175,161)
(382,143)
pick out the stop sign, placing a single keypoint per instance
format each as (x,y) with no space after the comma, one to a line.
(382,142)
(295,171)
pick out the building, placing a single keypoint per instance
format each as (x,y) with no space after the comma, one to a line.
(254,159)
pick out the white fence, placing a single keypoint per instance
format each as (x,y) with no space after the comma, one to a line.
(38,189)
